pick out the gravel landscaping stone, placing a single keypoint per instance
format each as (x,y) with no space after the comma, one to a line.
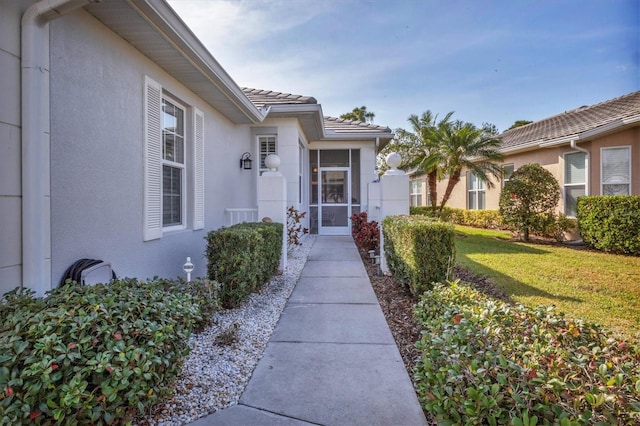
(224,355)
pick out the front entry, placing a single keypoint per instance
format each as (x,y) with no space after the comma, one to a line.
(335,200)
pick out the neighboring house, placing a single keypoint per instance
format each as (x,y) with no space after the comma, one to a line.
(591,150)
(129,143)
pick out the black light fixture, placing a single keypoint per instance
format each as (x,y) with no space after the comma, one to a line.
(245,161)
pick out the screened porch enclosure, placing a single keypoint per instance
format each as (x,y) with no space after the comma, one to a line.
(334,189)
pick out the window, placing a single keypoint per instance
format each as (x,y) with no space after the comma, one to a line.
(476,192)
(507,171)
(300,170)
(267,146)
(616,170)
(173,164)
(575,181)
(416,193)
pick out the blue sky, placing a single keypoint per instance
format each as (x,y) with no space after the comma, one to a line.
(489,61)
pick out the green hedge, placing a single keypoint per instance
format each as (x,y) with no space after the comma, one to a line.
(611,223)
(489,362)
(418,250)
(91,354)
(490,219)
(242,258)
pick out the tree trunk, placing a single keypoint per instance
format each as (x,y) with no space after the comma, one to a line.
(432,179)
(453,181)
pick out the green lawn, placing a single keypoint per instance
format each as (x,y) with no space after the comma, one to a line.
(595,286)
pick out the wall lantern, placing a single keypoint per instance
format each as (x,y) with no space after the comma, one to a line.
(245,161)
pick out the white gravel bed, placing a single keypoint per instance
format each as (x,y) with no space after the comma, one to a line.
(223,356)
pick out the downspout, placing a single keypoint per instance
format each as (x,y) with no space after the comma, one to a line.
(573,145)
(36,181)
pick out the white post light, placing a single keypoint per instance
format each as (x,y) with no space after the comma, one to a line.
(188,267)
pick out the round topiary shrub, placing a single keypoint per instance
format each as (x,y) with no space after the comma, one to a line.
(530,196)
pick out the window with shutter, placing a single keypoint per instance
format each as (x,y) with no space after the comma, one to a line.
(575,181)
(616,170)
(267,146)
(168,203)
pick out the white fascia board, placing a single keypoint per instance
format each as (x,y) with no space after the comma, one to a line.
(560,141)
(632,120)
(292,110)
(333,135)
(524,147)
(176,32)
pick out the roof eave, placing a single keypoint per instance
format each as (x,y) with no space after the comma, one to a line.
(313,128)
(224,95)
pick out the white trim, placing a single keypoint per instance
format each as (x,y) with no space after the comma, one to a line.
(566,185)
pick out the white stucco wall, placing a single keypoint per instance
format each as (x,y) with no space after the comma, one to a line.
(10,145)
(97,156)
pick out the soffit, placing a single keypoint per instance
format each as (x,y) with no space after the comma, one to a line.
(154,29)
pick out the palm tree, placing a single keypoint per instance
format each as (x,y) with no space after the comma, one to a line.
(424,148)
(463,145)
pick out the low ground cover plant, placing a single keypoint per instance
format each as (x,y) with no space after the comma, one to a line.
(490,362)
(92,354)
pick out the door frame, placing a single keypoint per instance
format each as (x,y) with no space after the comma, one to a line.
(334,230)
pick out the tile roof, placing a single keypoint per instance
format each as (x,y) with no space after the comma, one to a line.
(261,97)
(340,125)
(573,122)
(268,97)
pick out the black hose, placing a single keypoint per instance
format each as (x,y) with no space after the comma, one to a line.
(74,271)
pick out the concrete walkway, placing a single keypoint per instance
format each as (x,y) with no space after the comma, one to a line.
(331,359)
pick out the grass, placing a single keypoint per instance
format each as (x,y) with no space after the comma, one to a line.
(595,286)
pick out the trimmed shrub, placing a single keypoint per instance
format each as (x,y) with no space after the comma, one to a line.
(91,354)
(242,258)
(489,362)
(365,234)
(489,219)
(611,223)
(419,251)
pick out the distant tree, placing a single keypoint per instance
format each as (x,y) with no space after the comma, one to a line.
(463,145)
(491,129)
(424,154)
(359,114)
(519,123)
(531,192)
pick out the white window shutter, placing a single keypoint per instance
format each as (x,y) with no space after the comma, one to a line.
(198,170)
(152,160)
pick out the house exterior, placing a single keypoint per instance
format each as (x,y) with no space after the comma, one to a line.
(591,150)
(121,139)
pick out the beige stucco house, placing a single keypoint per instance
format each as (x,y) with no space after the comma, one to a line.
(591,150)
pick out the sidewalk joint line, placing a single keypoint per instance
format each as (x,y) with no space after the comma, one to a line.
(279,414)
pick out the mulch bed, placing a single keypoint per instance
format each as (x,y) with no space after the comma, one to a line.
(397,305)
